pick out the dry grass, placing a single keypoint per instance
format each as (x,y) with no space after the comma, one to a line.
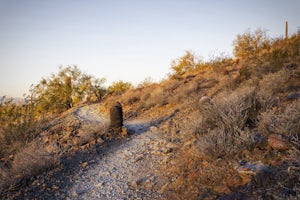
(30,161)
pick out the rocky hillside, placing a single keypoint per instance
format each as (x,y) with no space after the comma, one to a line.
(228,129)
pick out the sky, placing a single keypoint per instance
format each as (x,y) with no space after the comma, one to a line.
(127,40)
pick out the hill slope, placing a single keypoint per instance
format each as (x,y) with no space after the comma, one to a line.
(227,129)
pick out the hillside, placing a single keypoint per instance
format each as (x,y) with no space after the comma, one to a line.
(226,129)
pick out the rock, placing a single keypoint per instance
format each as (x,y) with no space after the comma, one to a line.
(100,141)
(46,139)
(55,187)
(124,132)
(84,164)
(277,142)
(204,100)
(153,129)
(260,172)
(99,185)
(293,96)
(134,184)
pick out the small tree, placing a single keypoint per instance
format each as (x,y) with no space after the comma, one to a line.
(184,64)
(119,87)
(251,45)
(61,91)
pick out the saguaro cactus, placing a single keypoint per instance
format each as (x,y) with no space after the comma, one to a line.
(116,117)
(286,30)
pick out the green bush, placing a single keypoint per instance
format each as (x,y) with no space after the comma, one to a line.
(65,89)
(119,87)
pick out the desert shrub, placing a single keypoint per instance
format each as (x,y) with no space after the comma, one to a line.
(146,82)
(285,122)
(260,55)
(270,86)
(219,143)
(251,45)
(284,50)
(119,87)
(19,125)
(219,62)
(222,129)
(155,98)
(133,99)
(186,63)
(32,160)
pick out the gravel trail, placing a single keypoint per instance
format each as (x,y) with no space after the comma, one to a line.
(117,169)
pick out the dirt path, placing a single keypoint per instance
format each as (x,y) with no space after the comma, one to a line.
(118,169)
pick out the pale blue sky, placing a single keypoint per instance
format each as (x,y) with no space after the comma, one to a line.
(124,39)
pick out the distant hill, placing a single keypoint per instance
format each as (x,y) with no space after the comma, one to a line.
(15,100)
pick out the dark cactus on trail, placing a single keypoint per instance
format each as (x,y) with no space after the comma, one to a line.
(116,117)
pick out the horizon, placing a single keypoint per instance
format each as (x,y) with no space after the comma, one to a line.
(127,41)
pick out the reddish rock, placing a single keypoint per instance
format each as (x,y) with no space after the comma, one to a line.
(277,142)
(276,163)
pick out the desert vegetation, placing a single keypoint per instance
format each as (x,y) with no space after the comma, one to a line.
(228,111)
